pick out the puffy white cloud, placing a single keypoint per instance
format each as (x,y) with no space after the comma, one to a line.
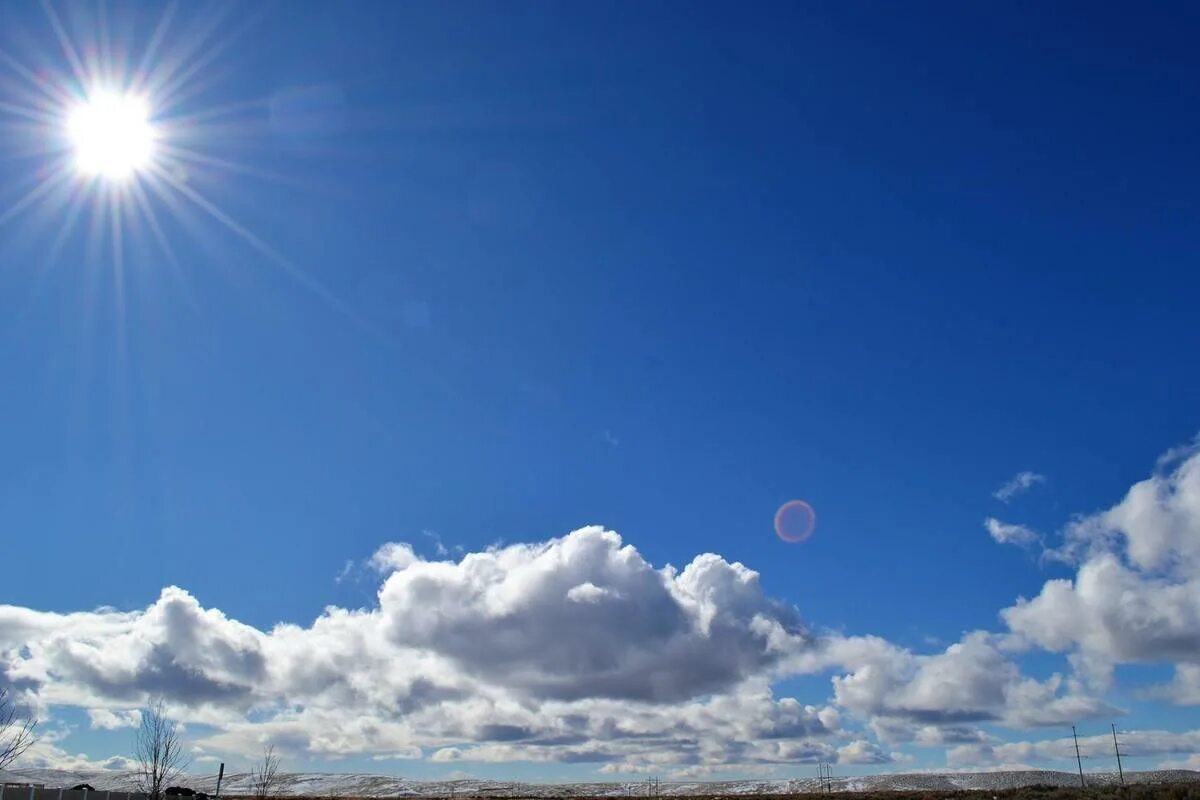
(971,681)
(1019,484)
(587,616)
(1156,526)
(1114,614)
(575,649)
(174,648)
(578,650)
(1135,597)
(1009,533)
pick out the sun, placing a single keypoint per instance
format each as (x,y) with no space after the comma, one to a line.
(111,135)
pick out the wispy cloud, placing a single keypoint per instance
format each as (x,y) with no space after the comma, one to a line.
(1010,533)
(345,571)
(1020,483)
(439,546)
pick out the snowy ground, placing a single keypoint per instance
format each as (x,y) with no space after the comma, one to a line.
(348,785)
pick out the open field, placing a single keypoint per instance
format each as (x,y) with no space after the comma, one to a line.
(1022,785)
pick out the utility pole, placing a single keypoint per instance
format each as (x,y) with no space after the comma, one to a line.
(1117,749)
(1078,758)
(825,774)
(220,775)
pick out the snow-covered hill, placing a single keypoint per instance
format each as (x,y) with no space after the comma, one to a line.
(349,785)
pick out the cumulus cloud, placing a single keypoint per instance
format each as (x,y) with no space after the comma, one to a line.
(574,650)
(587,616)
(578,650)
(1008,533)
(1136,594)
(1156,527)
(1017,485)
(972,681)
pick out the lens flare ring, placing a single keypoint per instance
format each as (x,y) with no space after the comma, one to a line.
(795,521)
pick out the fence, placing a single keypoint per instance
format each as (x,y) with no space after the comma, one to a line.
(37,793)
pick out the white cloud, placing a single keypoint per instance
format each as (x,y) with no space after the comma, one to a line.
(1135,597)
(575,649)
(394,556)
(447,754)
(860,751)
(1191,762)
(1155,528)
(439,547)
(1134,744)
(971,681)
(345,572)
(107,719)
(46,753)
(587,592)
(1184,688)
(1113,614)
(659,635)
(578,650)
(1017,485)
(1008,533)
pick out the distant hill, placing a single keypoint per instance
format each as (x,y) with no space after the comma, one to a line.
(329,785)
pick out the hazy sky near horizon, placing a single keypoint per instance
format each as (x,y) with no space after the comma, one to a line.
(425,405)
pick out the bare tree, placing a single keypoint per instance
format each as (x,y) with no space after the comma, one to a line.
(158,751)
(16,733)
(264,776)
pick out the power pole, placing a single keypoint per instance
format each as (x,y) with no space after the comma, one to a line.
(220,775)
(1078,758)
(825,774)
(1117,749)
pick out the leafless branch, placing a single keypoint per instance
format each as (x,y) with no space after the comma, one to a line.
(16,733)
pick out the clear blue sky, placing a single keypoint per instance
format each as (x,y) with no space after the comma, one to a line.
(658,268)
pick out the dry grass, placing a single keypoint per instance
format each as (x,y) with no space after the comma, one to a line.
(1144,791)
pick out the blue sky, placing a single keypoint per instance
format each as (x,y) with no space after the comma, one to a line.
(478,276)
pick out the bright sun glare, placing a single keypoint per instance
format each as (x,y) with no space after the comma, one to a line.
(111,135)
